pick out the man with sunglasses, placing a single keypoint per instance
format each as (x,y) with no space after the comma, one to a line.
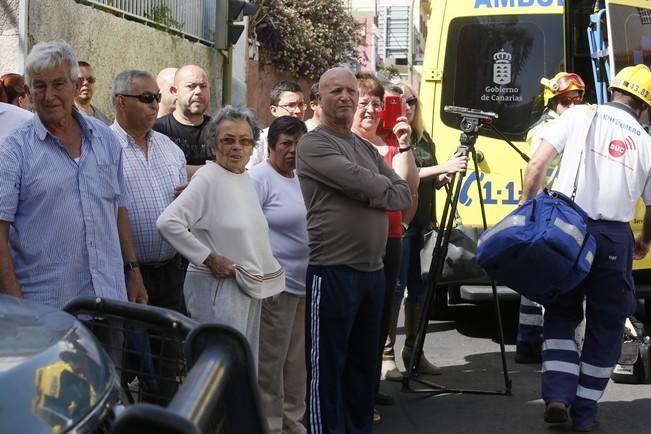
(154,170)
(607,166)
(560,93)
(64,229)
(83,99)
(287,99)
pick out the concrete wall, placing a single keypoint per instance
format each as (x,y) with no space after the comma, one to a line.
(9,37)
(112,44)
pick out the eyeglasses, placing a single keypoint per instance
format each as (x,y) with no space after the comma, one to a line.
(374,105)
(230,141)
(145,97)
(294,107)
(566,100)
(411,101)
(90,80)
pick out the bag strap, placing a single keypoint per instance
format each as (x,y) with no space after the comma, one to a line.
(576,177)
(583,136)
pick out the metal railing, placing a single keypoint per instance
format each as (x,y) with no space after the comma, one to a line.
(190,19)
(178,377)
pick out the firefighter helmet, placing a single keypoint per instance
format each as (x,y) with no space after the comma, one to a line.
(635,80)
(562,82)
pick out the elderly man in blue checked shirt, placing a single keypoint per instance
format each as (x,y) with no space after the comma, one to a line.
(154,170)
(64,230)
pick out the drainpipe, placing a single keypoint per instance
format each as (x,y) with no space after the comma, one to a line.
(23,34)
(410,42)
(227,76)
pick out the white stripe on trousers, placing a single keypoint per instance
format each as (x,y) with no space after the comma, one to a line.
(531,319)
(315,402)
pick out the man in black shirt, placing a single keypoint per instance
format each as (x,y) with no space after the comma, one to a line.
(184,125)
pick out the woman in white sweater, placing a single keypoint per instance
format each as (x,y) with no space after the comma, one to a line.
(217,223)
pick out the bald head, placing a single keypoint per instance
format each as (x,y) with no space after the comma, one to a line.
(337,98)
(189,71)
(165,81)
(338,74)
(192,90)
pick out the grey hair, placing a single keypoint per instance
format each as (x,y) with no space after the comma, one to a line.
(209,134)
(48,55)
(123,82)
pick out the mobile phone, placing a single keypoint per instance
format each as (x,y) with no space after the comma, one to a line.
(392,111)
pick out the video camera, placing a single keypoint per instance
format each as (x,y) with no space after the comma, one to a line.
(471,119)
(486,117)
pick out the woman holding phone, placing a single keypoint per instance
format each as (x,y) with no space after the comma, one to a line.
(397,152)
(422,215)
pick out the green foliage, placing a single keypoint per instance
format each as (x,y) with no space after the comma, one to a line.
(163,16)
(389,72)
(305,37)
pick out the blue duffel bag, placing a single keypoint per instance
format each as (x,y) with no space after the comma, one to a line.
(541,250)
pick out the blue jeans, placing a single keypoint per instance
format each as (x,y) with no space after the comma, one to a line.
(410,273)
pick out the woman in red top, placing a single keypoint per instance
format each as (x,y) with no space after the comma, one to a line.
(396,150)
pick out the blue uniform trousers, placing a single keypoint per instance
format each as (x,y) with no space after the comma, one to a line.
(343,310)
(530,327)
(579,380)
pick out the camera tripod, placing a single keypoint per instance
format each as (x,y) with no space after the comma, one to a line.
(470,124)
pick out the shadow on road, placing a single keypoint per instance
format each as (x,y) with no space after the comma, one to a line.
(521,412)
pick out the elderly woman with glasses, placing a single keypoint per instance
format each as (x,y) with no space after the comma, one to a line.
(421,216)
(218,225)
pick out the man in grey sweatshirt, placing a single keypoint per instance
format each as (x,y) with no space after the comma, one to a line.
(347,188)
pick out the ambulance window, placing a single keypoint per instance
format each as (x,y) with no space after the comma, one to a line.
(631,35)
(495,64)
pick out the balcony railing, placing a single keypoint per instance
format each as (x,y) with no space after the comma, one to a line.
(191,19)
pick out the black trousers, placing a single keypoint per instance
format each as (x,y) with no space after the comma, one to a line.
(164,284)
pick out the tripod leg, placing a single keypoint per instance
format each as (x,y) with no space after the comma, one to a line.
(496,302)
(438,258)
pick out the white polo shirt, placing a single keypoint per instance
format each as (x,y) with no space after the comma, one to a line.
(616,163)
(11,116)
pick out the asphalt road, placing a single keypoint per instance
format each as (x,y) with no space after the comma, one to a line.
(467,350)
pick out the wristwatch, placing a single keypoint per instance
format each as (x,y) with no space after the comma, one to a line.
(408,148)
(131,266)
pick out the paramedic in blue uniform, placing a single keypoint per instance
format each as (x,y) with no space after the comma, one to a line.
(614,172)
(563,91)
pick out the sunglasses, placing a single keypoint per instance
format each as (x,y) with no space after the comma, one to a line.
(146,97)
(567,101)
(411,101)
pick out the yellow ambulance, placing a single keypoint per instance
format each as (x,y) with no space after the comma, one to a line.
(490,55)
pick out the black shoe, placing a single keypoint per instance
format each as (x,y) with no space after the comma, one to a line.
(383,399)
(526,358)
(556,412)
(584,428)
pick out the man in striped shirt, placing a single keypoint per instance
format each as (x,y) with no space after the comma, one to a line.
(64,230)
(153,168)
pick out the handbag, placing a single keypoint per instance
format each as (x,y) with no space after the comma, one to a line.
(542,249)
(459,264)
